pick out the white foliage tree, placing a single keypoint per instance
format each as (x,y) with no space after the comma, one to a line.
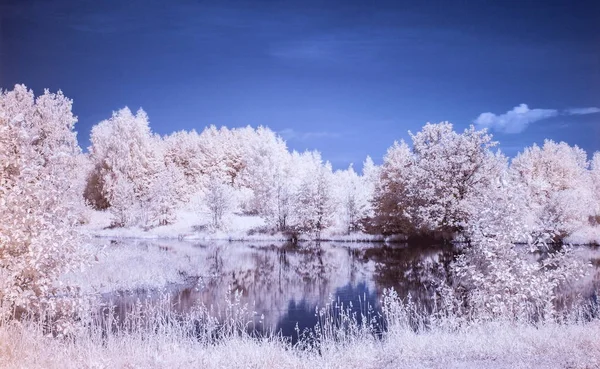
(370,178)
(313,202)
(559,186)
(218,200)
(241,157)
(39,198)
(391,199)
(130,170)
(279,205)
(449,168)
(182,152)
(352,196)
(166,194)
(220,155)
(265,162)
(499,278)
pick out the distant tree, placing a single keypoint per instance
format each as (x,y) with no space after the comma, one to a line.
(218,200)
(314,206)
(391,199)
(182,151)
(449,168)
(129,170)
(370,175)
(279,203)
(352,196)
(265,163)
(166,195)
(220,154)
(559,188)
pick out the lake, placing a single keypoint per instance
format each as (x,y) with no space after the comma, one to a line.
(285,284)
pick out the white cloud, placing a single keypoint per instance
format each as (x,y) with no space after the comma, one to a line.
(582,111)
(515,120)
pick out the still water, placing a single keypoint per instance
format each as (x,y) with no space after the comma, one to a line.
(285,285)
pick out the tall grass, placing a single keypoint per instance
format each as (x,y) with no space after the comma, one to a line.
(153,334)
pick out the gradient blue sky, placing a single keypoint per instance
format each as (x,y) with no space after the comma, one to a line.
(346,78)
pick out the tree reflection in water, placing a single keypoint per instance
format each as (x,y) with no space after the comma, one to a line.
(286,284)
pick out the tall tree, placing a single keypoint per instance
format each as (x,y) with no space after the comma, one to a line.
(449,168)
(391,200)
(39,197)
(352,196)
(128,161)
(313,201)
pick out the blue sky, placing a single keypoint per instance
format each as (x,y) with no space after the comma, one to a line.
(346,78)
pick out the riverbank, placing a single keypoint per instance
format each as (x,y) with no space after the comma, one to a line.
(195,226)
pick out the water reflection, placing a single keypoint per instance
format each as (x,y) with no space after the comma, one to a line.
(287,284)
(354,299)
(414,270)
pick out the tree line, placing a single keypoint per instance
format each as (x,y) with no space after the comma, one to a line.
(434,185)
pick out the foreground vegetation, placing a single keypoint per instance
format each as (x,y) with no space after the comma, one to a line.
(489,346)
(156,337)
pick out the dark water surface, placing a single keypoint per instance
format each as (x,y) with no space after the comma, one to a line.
(285,285)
